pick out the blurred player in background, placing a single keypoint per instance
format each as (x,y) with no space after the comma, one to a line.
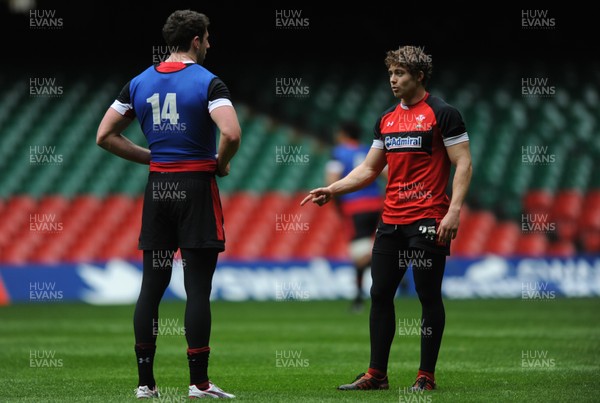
(419,139)
(180,105)
(360,210)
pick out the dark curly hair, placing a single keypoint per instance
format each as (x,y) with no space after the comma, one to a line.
(413,59)
(182,26)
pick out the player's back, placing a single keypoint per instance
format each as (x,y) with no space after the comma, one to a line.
(172,107)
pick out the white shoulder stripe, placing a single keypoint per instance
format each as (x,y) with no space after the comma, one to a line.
(461,138)
(212,105)
(377,144)
(121,107)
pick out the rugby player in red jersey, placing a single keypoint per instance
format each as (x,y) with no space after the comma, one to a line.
(419,139)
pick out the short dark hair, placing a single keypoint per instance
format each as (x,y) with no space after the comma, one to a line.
(351,129)
(182,26)
(413,59)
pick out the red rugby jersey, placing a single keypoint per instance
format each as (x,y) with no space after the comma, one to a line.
(414,139)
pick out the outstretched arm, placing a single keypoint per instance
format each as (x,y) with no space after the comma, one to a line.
(460,156)
(109,136)
(358,178)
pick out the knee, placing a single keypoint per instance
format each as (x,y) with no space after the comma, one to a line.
(429,298)
(381,296)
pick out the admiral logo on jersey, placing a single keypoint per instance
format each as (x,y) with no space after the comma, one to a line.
(403,142)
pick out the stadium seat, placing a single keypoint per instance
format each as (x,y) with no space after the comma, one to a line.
(590,241)
(531,245)
(537,201)
(565,213)
(473,234)
(503,238)
(562,248)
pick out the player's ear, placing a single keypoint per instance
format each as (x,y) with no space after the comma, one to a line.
(195,44)
(420,76)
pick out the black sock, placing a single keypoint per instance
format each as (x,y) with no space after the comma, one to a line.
(198,363)
(144,353)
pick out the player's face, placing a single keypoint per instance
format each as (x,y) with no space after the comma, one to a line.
(404,84)
(201,52)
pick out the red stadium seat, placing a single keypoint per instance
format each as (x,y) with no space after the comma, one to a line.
(590,241)
(567,205)
(565,213)
(531,245)
(561,248)
(237,213)
(588,225)
(537,201)
(589,219)
(503,238)
(473,233)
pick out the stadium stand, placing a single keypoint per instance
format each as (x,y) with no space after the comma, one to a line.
(535,192)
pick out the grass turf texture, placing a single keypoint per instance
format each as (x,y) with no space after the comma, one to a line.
(481,359)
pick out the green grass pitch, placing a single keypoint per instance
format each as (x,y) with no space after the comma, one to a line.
(299,351)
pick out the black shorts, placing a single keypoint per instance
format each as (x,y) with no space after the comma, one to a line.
(391,238)
(182,210)
(365,224)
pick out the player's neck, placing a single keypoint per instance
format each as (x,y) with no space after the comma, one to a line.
(181,57)
(417,97)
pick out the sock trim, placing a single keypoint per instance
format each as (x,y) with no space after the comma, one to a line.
(377,373)
(192,351)
(429,375)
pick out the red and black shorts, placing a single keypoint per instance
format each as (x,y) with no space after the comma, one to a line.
(182,210)
(417,235)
